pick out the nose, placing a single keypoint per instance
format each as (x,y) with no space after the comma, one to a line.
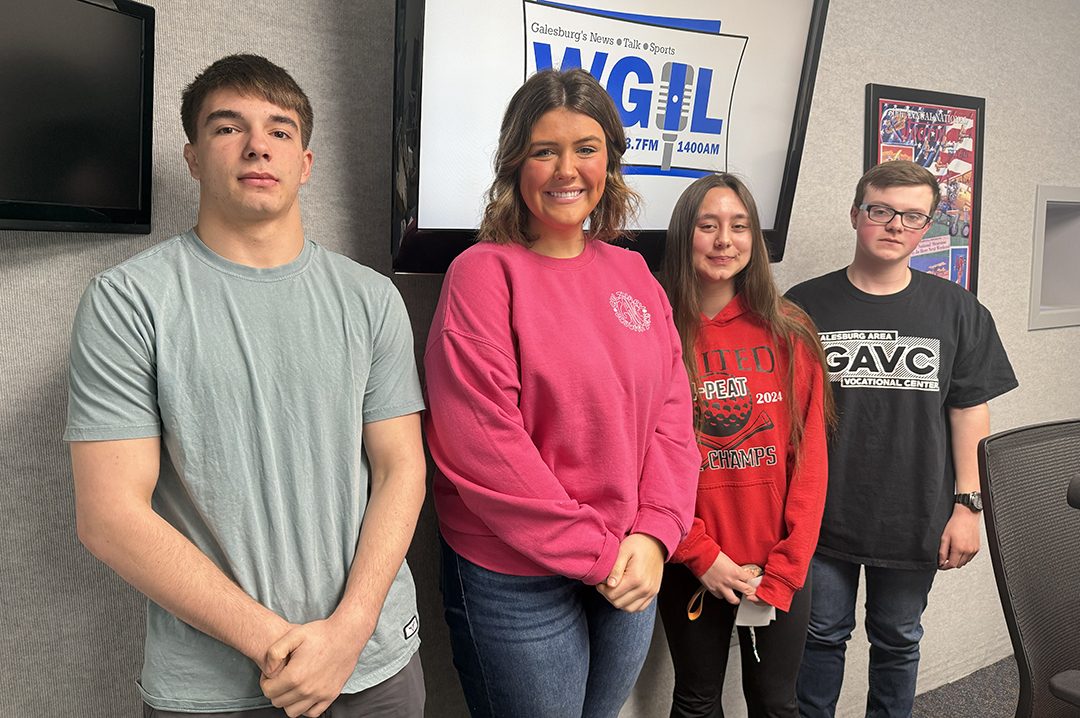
(722,239)
(257,147)
(564,166)
(895,223)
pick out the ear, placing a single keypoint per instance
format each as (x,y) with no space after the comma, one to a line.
(309,160)
(192,160)
(854,216)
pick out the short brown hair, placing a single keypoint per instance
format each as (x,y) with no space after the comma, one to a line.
(252,75)
(506,218)
(898,173)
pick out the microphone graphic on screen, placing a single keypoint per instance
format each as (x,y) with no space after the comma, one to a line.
(673,105)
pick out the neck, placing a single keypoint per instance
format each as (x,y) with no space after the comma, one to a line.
(880,279)
(262,245)
(564,244)
(715,296)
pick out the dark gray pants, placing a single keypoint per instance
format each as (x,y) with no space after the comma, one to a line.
(401,696)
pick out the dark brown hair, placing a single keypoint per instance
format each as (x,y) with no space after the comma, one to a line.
(251,75)
(786,322)
(506,217)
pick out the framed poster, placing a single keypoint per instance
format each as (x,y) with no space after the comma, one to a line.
(943,133)
(701,87)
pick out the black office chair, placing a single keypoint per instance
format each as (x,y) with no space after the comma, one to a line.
(1029,477)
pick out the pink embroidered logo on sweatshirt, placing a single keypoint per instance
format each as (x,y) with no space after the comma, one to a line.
(630,311)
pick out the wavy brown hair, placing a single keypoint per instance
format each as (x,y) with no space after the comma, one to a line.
(506,217)
(785,322)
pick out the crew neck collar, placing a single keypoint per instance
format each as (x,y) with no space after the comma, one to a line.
(243,271)
(879,298)
(588,253)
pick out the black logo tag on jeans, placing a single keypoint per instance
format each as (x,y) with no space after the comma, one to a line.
(410,628)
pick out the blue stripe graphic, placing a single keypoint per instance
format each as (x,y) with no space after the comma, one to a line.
(673,172)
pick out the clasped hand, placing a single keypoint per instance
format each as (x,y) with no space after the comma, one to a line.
(635,578)
(305,670)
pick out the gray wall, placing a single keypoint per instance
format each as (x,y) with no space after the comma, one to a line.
(72,631)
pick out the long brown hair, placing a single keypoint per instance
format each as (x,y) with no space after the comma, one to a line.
(785,322)
(506,218)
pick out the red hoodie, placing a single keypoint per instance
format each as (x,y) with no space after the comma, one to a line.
(753,502)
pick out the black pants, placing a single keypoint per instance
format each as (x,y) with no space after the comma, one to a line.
(699,651)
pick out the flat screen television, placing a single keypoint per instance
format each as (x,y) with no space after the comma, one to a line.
(77,88)
(701,87)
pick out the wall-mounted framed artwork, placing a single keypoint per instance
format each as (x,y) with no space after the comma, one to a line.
(944,133)
(701,87)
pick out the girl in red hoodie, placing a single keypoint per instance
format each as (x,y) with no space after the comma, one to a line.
(756,370)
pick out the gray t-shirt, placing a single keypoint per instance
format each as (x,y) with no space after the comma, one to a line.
(258,382)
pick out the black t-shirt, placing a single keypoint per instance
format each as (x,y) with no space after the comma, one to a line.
(897,363)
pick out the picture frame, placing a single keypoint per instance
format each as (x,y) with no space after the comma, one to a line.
(740,75)
(944,133)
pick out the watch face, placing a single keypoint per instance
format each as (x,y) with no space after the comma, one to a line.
(972,500)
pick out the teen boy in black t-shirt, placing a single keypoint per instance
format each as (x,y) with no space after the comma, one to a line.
(913,359)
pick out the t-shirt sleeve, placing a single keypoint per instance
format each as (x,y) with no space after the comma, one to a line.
(112,389)
(393,387)
(982,369)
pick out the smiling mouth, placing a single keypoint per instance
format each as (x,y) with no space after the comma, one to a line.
(566,194)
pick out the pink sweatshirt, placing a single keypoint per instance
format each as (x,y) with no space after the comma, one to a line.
(560,416)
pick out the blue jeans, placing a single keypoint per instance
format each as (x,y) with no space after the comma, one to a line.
(895,600)
(539,646)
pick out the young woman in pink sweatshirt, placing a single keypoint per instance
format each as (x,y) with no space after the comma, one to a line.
(559,420)
(756,368)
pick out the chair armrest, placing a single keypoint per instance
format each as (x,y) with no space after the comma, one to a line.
(1066,686)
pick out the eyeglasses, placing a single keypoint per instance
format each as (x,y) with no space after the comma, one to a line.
(882,214)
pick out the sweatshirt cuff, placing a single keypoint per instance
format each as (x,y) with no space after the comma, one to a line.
(609,552)
(776,592)
(701,557)
(661,525)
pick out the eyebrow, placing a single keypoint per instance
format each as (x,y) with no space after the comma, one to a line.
(583,140)
(716,217)
(226,114)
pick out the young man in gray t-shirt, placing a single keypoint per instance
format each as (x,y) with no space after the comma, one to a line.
(245,435)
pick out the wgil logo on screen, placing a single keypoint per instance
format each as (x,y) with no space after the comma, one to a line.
(672,79)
